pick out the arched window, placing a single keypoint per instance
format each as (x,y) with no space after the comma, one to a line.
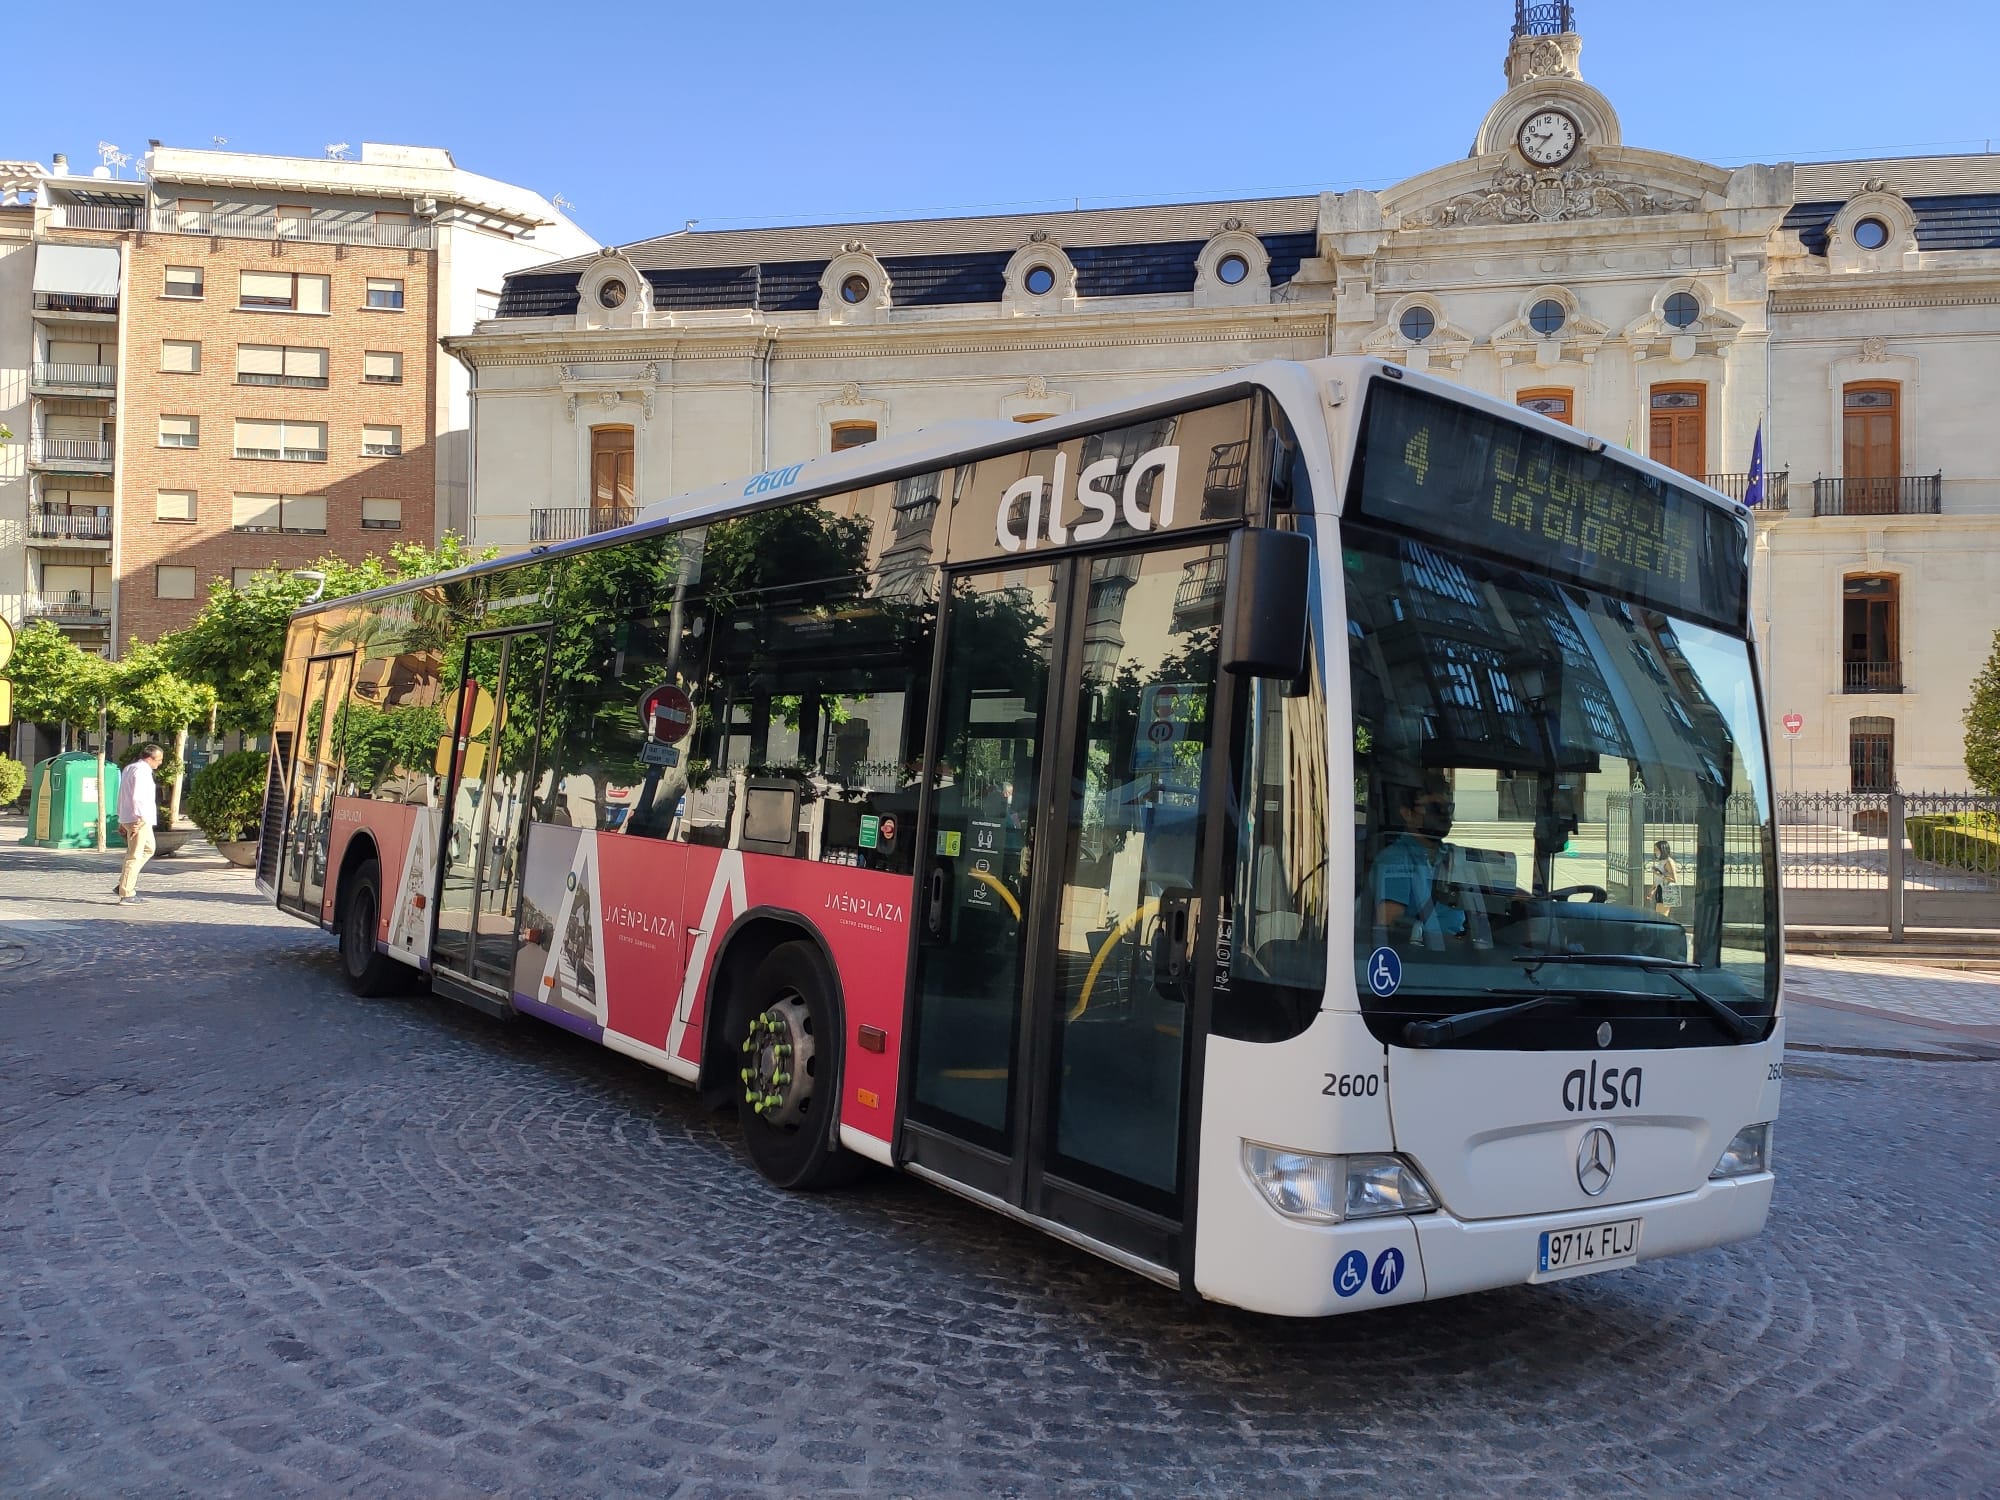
(1556,405)
(852,435)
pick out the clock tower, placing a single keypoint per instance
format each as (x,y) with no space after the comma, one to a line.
(1549,115)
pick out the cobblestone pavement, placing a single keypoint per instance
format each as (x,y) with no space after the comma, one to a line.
(261,1238)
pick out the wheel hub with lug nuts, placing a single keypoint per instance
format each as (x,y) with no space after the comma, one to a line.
(778,1056)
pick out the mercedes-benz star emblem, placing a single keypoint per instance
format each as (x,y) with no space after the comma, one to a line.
(1596,1160)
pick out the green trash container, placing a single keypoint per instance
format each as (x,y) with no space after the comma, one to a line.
(63,794)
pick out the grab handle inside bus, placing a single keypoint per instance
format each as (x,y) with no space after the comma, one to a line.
(1264,621)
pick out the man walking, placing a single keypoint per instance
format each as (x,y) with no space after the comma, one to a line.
(138,811)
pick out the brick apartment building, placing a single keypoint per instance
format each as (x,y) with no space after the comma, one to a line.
(234,365)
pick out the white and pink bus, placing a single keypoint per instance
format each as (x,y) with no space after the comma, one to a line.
(1305,835)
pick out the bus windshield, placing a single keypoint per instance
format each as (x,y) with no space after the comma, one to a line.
(1543,773)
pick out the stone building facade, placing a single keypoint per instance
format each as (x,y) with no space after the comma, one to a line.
(1851,310)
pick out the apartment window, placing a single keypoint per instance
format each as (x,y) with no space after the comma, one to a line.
(173,505)
(381,515)
(294,223)
(184,281)
(180,432)
(192,216)
(385,292)
(241,578)
(382,367)
(280,364)
(180,356)
(611,460)
(292,442)
(295,513)
(283,291)
(381,442)
(173,583)
(852,434)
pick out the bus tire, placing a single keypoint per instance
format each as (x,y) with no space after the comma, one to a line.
(784,1050)
(367,970)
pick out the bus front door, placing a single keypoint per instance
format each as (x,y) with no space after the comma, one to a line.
(1056,965)
(315,782)
(486,808)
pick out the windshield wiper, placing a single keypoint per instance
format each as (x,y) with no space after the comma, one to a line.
(1451,1028)
(1733,1021)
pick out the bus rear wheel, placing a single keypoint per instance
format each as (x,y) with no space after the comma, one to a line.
(785,1045)
(367,970)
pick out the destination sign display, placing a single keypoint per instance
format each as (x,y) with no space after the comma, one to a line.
(1453,473)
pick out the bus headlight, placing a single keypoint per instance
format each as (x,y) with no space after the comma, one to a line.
(1327,1189)
(1747,1153)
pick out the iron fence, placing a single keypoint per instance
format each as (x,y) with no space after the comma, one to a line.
(1777,487)
(58,372)
(1890,859)
(1910,495)
(565,523)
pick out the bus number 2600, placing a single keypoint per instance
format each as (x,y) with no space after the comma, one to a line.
(1352,1085)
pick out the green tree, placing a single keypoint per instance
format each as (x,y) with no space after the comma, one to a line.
(1982,725)
(149,697)
(55,682)
(236,645)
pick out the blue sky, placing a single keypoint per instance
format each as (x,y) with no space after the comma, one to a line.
(792,112)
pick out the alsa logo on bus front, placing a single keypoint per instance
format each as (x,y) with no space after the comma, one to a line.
(1598,1091)
(1032,509)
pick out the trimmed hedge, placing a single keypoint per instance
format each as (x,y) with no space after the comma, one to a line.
(226,797)
(1963,841)
(13,781)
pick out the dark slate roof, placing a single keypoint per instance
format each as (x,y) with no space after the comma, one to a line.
(1121,252)
(1960,221)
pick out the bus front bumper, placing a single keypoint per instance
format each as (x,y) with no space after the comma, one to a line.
(1313,1270)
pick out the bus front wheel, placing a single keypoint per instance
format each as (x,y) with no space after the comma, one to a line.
(785,1047)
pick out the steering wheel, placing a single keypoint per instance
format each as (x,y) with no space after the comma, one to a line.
(1598,894)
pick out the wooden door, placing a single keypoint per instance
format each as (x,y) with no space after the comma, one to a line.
(1872,447)
(1680,428)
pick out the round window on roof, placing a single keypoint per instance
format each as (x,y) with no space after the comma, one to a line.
(854,289)
(1871,234)
(1418,324)
(611,294)
(1547,316)
(1231,270)
(1039,280)
(1681,310)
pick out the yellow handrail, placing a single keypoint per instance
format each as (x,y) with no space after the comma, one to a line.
(1125,925)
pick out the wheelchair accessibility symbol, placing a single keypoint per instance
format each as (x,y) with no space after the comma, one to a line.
(1385,972)
(1388,1271)
(1351,1275)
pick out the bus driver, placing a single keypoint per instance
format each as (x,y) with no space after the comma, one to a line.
(1404,882)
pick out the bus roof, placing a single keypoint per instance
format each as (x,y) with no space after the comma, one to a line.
(928,448)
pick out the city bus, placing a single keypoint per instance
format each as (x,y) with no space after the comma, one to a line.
(1304,835)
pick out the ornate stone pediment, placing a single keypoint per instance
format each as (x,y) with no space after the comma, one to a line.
(1554,196)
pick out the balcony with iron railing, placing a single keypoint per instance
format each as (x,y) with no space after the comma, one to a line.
(45,376)
(1543,17)
(565,523)
(88,304)
(54,524)
(317,230)
(1777,487)
(1871,677)
(1907,495)
(67,607)
(62,452)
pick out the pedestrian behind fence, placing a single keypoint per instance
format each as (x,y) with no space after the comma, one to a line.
(138,811)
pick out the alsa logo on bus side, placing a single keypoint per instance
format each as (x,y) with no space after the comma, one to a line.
(772,479)
(1094,494)
(1596,1091)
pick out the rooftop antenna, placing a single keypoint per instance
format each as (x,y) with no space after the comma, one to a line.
(689,226)
(112,157)
(562,204)
(337,151)
(219,140)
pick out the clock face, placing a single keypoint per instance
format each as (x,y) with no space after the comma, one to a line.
(1548,137)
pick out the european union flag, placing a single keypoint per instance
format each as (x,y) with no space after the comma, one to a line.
(1753,492)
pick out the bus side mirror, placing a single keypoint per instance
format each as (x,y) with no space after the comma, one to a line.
(1264,628)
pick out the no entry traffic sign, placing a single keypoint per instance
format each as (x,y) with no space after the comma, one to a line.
(1795,725)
